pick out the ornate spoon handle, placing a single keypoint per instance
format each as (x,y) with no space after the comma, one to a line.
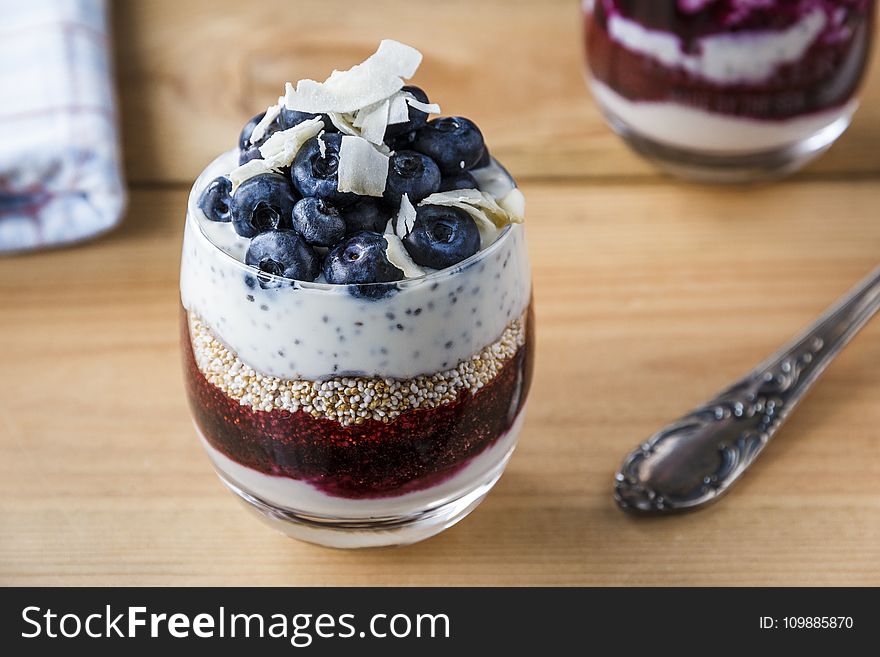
(697,458)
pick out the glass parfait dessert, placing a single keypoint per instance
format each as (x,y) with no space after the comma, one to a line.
(357,328)
(728,90)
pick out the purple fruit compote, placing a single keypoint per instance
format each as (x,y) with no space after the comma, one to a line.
(728,90)
(357,329)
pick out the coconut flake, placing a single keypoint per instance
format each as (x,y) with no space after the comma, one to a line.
(271,114)
(322,147)
(372,121)
(398,111)
(376,79)
(344,123)
(399,257)
(515,205)
(476,199)
(362,169)
(427,108)
(364,113)
(248,170)
(406,217)
(280,149)
(488,230)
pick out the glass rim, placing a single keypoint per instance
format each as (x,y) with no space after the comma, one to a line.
(211,171)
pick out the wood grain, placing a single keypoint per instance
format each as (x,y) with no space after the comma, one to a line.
(191,73)
(650,296)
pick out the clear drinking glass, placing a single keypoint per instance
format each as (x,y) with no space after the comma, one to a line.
(728,90)
(363,415)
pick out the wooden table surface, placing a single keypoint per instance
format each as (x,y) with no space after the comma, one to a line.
(651,294)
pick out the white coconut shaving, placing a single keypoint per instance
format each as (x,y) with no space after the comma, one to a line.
(271,114)
(281,148)
(248,170)
(474,198)
(362,169)
(427,108)
(344,123)
(365,113)
(406,218)
(372,121)
(515,204)
(399,257)
(376,79)
(278,151)
(322,147)
(367,98)
(398,110)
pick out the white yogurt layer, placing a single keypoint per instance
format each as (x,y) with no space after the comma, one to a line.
(314,331)
(690,128)
(306,499)
(736,57)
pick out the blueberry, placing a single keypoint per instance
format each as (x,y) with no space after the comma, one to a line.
(442,236)
(316,175)
(289,118)
(264,202)
(485,159)
(453,142)
(244,138)
(402,142)
(214,200)
(460,180)
(360,259)
(366,214)
(252,153)
(283,253)
(417,118)
(413,174)
(319,223)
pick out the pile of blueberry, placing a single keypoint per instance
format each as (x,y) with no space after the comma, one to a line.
(300,225)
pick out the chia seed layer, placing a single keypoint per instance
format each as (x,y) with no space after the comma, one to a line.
(373,458)
(825,77)
(314,331)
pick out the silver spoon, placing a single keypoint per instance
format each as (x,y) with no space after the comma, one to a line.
(698,457)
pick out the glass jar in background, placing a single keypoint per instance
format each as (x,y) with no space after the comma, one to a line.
(728,90)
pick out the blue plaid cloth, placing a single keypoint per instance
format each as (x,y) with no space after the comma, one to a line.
(60,178)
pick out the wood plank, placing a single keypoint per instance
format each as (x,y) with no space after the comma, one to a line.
(649,298)
(191,74)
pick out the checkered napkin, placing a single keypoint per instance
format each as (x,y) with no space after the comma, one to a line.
(60,178)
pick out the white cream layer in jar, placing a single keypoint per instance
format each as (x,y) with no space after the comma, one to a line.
(687,127)
(312,331)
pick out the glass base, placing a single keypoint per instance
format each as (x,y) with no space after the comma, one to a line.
(368,532)
(699,166)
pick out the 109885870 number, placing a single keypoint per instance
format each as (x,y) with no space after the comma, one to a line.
(817,622)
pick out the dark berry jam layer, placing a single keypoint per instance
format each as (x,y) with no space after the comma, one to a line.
(419,449)
(692,19)
(827,76)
